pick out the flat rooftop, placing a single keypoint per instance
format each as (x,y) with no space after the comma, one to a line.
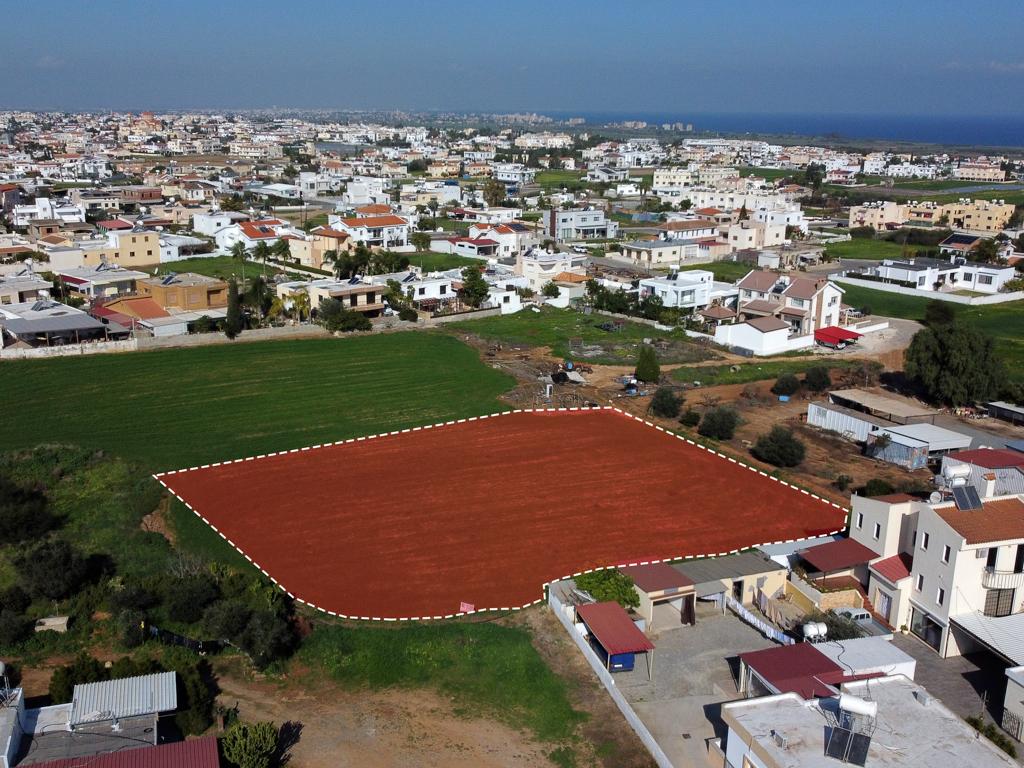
(908,732)
(891,406)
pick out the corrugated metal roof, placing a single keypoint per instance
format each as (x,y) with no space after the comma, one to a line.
(197,753)
(614,630)
(1003,634)
(129,697)
(729,567)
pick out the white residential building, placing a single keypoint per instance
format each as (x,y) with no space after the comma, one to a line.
(387,231)
(579,224)
(689,289)
(542,267)
(513,173)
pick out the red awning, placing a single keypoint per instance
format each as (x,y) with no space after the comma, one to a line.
(833,334)
(613,629)
(837,555)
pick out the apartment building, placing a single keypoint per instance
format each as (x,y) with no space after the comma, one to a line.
(989,216)
(388,231)
(950,571)
(985,172)
(186,292)
(745,235)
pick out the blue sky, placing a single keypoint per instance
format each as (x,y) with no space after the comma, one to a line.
(907,57)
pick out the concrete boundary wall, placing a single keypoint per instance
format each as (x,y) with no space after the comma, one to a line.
(70,350)
(974,301)
(608,682)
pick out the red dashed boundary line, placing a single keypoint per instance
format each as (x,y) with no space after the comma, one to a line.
(160,475)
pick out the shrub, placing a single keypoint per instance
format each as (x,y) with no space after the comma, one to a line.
(408,314)
(877,487)
(862,232)
(719,423)
(186,599)
(779,447)
(817,379)
(993,734)
(665,403)
(23,513)
(84,669)
(14,599)
(267,638)
(335,317)
(52,569)
(842,482)
(609,585)
(786,384)
(647,368)
(690,418)
(130,628)
(251,746)
(13,628)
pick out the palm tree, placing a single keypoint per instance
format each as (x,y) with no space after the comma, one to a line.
(282,249)
(261,253)
(301,304)
(239,253)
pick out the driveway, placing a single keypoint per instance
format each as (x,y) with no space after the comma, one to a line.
(694,673)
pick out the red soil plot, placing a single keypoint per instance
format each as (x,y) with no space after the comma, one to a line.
(486,511)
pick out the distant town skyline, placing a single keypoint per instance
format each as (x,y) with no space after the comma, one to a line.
(658,57)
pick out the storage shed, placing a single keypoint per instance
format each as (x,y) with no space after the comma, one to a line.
(667,597)
(741,576)
(898,410)
(614,636)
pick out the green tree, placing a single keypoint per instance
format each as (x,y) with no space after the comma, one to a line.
(719,423)
(251,745)
(494,193)
(233,319)
(420,240)
(260,295)
(647,368)
(232,203)
(817,378)
(666,403)
(239,254)
(609,585)
(550,290)
(335,317)
(282,249)
(986,251)
(690,418)
(261,253)
(474,287)
(786,384)
(51,568)
(13,627)
(779,447)
(23,513)
(955,364)
(876,487)
(84,669)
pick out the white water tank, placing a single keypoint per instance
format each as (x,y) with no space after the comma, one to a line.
(857,705)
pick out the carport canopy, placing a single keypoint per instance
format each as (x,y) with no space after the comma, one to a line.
(833,334)
(837,555)
(611,626)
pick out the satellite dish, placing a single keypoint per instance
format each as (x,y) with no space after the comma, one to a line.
(935,497)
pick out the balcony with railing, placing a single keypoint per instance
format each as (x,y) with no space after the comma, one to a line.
(993,579)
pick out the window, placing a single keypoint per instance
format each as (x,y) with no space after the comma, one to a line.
(999,602)
(877,531)
(860,519)
(920,582)
(945,553)
(940,598)
(924,541)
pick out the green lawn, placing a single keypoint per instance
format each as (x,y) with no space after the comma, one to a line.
(485,668)
(867,248)
(558,179)
(431,261)
(748,372)
(222,267)
(451,225)
(555,327)
(1004,322)
(770,174)
(724,271)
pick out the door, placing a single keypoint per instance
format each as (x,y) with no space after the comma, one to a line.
(884,605)
(737,590)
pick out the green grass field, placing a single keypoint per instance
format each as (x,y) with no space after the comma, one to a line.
(712,375)
(555,327)
(1004,322)
(771,174)
(431,261)
(724,271)
(485,667)
(867,248)
(222,267)
(558,179)
(178,407)
(451,225)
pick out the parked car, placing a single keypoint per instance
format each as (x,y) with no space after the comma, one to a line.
(857,615)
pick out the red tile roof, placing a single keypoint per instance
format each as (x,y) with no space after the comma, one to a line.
(794,669)
(894,568)
(1001,520)
(657,577)
(613,629)
(837,555)
(195,753)
(260,230)
(374,208)
(767,324)
(114,224)
(990,458)
(375,221)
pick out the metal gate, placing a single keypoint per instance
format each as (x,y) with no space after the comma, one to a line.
(1012,724)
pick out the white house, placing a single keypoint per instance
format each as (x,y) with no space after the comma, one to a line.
(579,224)
(805,304)
(954,273)
(690,289)
(762,336)
(209,223)
(512,239)
(47,208)
(513,173)
(389,231)
(541,267)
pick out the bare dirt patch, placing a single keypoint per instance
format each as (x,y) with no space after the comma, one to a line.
(156,521)
(379,729)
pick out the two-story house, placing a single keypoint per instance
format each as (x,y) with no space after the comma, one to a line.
(806,304)
(950,571)
(387,231)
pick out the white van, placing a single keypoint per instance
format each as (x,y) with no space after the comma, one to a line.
(856,615)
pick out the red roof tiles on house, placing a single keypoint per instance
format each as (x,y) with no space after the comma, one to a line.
(1001,520)
(990,458)
(837,555)
(371,222)
(895,568)
(657,577)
